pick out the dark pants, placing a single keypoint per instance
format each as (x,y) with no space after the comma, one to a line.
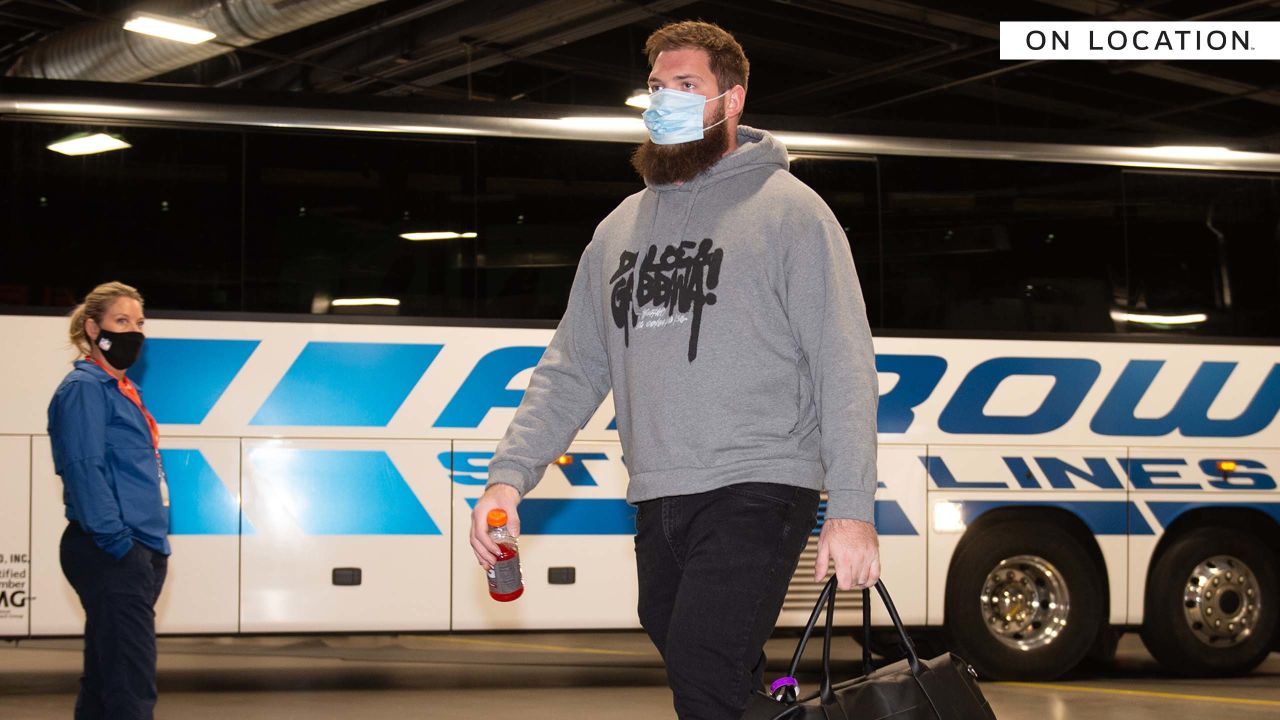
(119,598)
(713,572)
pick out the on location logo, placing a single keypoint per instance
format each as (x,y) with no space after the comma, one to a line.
(1139,40)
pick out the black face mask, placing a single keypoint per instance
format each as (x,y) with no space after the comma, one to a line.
(121,349)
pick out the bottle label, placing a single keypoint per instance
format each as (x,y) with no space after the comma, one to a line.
(504,577)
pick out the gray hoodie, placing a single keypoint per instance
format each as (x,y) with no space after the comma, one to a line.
(726,316)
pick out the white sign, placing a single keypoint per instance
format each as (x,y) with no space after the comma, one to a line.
(1140,40)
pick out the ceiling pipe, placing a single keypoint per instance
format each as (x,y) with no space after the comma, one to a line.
(106,51)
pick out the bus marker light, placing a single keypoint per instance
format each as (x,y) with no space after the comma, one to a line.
(948,517)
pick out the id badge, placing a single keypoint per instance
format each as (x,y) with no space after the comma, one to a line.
(164,482)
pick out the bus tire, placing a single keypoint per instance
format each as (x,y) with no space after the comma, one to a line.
(1045,603)
(1211,604)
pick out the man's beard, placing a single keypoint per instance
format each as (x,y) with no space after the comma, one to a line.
(667,164)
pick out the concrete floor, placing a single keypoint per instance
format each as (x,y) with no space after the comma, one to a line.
(545,676)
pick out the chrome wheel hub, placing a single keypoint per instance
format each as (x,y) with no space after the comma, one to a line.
(1222,601)
(1025,602)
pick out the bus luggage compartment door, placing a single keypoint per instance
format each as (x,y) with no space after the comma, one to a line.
(15,549)
(315,506)
(577,517)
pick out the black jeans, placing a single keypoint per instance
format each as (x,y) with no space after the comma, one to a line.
(713,572)
(119,598)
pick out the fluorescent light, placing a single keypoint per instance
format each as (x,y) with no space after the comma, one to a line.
(87,144)
(416,236)
(161,27)
(1196,152)
(363,302)
(420,129)
(812,141)
(1148,319)
(639,99)
(948,517)
(603,124)
(75,108)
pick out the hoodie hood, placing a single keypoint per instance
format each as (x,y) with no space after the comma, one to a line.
(756,148)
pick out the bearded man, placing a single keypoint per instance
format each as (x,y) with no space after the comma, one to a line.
(721,306)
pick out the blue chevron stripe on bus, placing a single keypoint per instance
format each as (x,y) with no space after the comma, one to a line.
(363,384)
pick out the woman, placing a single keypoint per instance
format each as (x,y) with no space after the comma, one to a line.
(115,548)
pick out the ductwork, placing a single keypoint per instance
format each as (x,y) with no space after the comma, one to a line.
(106,51)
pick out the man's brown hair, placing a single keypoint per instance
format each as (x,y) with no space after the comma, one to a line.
(728,61)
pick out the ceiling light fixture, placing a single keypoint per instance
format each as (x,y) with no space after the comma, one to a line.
(162,27)
(363,302)
(639,99)
(1149,319)
(1193,152)
(603,124)
(420,236)
(88,144)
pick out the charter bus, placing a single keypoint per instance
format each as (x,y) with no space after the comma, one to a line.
(1077,347)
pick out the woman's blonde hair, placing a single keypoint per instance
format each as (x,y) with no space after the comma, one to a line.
(95,305)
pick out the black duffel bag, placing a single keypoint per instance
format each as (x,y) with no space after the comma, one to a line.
(944,688)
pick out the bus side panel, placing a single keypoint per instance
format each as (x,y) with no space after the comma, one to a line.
(1165,484)
(1087,482)
(202,591)
(576,518)
(902,523)
(41,358)
(15,536)
(56,609)
(320,380)
(317,513)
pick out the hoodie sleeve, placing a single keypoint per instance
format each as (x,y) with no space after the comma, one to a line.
(829,319)
(78,432)
(571,380)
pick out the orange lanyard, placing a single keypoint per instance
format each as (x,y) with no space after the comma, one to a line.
(130,391)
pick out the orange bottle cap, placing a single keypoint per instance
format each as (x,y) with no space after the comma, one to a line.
(497,518)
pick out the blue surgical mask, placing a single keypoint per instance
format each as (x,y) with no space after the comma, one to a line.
(675,116)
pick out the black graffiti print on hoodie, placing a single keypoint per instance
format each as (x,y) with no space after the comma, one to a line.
(679,280)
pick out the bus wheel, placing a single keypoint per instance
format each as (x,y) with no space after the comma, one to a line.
(1023,601)
(1211,605)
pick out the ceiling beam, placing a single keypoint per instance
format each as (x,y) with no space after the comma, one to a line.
(952,21)
(1040,103)
(939,88)
(871,73)
(454,36)
(834,8)
(379,25)
(1179,110)
(573,32)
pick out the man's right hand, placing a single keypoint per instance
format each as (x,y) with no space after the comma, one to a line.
(500,496)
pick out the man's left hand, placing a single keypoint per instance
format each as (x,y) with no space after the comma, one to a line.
(854,548)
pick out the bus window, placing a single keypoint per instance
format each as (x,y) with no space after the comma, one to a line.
(1204,253)
(325,219)
(162,214)
(850,187)
(988,245)
(540,202)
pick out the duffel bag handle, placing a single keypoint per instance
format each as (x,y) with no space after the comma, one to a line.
(912,657)
(827,600)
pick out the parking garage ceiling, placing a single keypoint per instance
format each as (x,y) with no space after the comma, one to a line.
(924,67)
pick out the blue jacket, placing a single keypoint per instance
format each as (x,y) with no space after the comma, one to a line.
(110,476)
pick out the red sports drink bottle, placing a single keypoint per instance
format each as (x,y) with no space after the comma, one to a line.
(505,581)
